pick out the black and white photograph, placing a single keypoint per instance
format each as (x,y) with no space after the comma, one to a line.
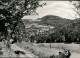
(40,28)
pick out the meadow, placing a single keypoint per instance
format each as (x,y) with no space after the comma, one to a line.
(43,49)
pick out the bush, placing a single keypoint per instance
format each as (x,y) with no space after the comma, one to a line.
(1,53)
(0,48)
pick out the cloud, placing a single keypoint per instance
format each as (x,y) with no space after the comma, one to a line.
(63,9)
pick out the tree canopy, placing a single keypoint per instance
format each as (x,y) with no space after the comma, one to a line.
(11,12)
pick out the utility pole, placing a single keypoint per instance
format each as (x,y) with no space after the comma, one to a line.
(50,44)
(50,37)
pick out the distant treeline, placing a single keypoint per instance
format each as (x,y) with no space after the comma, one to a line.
(64,33)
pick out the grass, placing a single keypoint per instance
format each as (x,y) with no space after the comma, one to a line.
(43,49)
(5,52)
(72,47)
(40,50)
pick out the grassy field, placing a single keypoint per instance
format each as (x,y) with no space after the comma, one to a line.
(40,50)
(43,49)
(72,47)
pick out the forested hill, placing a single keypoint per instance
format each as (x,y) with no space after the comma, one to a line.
(54,20)
(65,30)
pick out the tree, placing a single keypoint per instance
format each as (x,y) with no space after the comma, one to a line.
(32,38)
(11,12)
(14,10)
(77,10)
(77,7)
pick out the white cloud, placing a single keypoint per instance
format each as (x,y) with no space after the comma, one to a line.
(58,8)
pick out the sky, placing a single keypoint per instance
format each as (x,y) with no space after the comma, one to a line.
(63,9)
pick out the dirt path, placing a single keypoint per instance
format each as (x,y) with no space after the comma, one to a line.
(14,47)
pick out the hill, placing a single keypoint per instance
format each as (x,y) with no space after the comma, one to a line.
(54,20)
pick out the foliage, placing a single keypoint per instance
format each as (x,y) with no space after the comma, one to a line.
(69,32)
(11,12)
(66,33)
(65,30)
